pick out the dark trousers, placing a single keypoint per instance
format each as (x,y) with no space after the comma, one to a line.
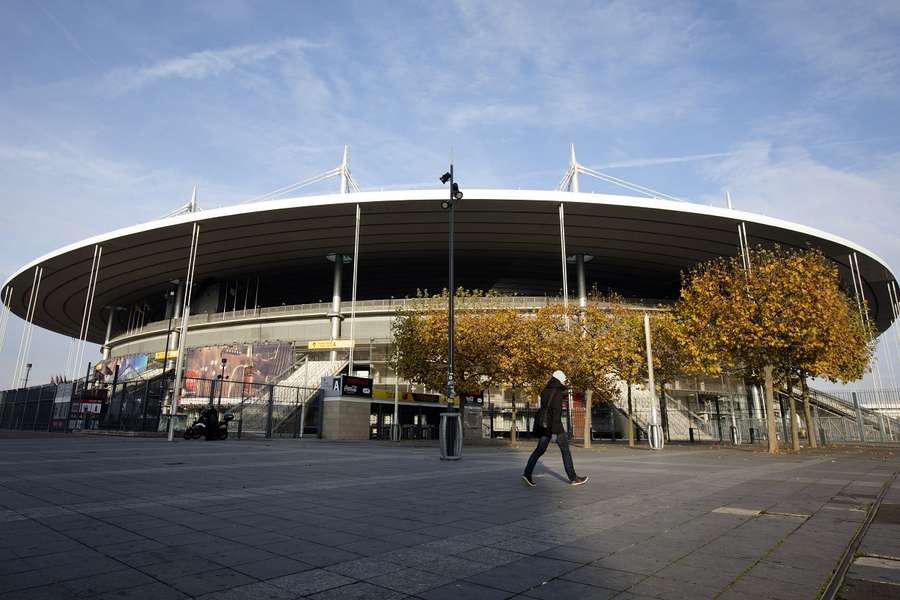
(562,440)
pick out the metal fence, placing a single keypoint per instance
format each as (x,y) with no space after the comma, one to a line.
(266,410)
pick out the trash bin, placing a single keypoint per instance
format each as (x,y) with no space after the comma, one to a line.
(451,436)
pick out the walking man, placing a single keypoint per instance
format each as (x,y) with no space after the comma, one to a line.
(549,424)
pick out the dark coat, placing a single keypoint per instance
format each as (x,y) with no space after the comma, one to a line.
(551,402)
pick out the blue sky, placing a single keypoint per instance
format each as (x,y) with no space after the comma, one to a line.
(112,111)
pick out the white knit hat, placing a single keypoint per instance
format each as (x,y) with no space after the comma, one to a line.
(559,376)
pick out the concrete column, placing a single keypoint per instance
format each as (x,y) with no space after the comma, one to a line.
(170,305)
(335,313)
(176,314)
(580,259)
(755,403)
(582,285)
(109,323)
(582,303)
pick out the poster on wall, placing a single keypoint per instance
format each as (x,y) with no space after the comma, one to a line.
(245,364)
(131,366)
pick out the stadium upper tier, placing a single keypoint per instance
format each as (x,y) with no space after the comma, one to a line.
(506,240)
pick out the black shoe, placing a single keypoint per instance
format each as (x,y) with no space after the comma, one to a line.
(528,480)
(578,480)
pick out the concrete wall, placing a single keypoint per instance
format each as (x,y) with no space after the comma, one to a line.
(346,420)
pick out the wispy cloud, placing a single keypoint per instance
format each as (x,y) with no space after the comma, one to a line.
(791,184)
(66,33)
(851,48)
(491,114)
(204,64)
(662,160)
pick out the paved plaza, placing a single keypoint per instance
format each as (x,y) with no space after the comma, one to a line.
(104,517)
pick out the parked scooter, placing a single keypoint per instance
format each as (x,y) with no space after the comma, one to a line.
(209,426)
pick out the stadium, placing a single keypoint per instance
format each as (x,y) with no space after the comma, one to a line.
(283,288)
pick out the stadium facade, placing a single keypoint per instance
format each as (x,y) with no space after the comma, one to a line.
(274,281)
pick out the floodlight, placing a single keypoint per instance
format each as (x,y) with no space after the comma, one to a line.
(457,195)
(445,177)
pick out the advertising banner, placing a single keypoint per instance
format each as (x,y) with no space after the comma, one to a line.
(131,366)
(245,364)
(474,399)
(356,386)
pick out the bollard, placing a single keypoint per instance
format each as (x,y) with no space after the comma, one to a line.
(752,436)
(269,412)
(734,437)
(451,436)
(691,433)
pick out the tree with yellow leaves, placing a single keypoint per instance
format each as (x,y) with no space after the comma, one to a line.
(787,312)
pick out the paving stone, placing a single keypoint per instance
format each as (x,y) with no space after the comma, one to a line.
(562,588)
(413,556)
(272,567)
(876,569)
(574,554)
(321,556)
(671,589)
(860,589)
(492,557)
(605,578)
(411,581)
(632,562)
(364,568)
(359,591)
(447,546)
(151,591)
(370,547)
(310,582)
(253,591)
(755,587)
(453,566)
(522,545)
(93,586)
(210,581)
(464,590)
(523,574)
(178,568)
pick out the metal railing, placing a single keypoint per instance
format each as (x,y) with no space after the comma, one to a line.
(261,409)
(323,309)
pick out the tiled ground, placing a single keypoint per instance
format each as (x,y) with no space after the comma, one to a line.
(875,571)
(87,517)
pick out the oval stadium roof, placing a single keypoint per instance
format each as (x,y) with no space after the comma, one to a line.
(643,242)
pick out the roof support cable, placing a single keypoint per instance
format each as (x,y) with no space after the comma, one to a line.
(628,185)
(342,171)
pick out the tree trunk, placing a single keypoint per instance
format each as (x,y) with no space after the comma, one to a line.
(792,409)
(664,410)
(512,429)
(807,413)
(630,420)
(588,396)
(770,412)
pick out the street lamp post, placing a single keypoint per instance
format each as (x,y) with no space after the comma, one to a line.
(450,206)
(451,422)
(222,380)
